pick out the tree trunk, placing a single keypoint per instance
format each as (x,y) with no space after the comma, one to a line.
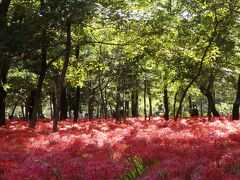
(64,105)
(90,102)
(174,106)
(150,103)
(60,81)
(208,92)
(165,100)
(50,104)
(106,104)
(22,109)
(40,110)
(126,108)
(31,104)
(103,112)
(211,105)
(118,104)
(4,62)
(144,100)
(13,111)
(53,99)
(76,104)
(38,93)
(190,105)
(71,102)
(3,95)
(134,98)
(236,104)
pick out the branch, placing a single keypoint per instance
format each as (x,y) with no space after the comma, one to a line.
(199,69)
(55,58)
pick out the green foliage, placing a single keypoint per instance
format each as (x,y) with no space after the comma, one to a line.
(136,171)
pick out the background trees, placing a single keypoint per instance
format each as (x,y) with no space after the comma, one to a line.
(118,59)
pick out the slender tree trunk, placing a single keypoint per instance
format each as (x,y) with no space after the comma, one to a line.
(60,82)
(118,104)
(150,103)
(71,103)
(50,104)
(98,110)
(201,108)
(76,104)
(103,103)
(127,108)
(134,98)
(64,105)
(144,100)
(106,104)
(13,111)
(40,110)
(91,98)
(235,110)
(22,109)
(174,106)
(190,105)
(236,104)
(165,100)
(31,104)
(53,98)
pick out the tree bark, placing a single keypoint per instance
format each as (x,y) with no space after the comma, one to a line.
(53,99)
(43,70)
(103,108)
(38,92)
(134,104)
(118,104)
(13,111)
(4,61)
(23,113)
(76,104)
(211,105)
(165,100)
(150,103)
(144,100)
(91,97)
(236,104)
(60,81)
(126,108)
(64,105)
(190,105)
(208,92)
(31,104)
(174,106)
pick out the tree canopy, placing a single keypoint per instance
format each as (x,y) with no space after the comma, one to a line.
(118,58)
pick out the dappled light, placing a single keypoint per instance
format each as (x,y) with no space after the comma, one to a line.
(192,148)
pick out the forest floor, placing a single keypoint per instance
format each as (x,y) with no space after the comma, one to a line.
(192,148)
